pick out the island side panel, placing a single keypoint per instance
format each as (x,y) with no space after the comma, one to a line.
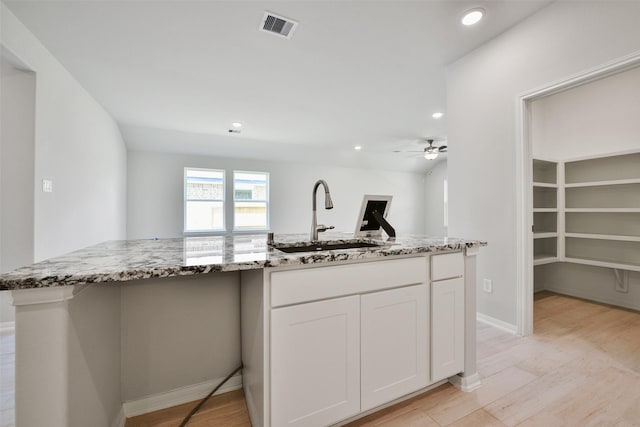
(94,356)
(469,380)
(255,330)
(68,356)
(42,331)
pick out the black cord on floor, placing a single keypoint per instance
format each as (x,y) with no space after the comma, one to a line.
(202,402)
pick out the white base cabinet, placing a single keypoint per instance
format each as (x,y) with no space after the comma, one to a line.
(315,362)
(324,344)
(447,328)
(394,344)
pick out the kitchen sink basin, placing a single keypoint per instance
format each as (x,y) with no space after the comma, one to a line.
(321,246)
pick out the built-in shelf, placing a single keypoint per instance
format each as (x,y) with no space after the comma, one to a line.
(603,237)
(600,263)
(587,211)
(544,235)
(542,259)
(600,183)
(545,184)
(601,210)
(545,171)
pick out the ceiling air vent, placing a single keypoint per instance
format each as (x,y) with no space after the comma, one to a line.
(274,24)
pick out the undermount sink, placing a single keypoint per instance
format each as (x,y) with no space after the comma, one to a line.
(321,246)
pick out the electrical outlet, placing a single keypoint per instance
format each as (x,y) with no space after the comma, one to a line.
(47,186)
(487,285)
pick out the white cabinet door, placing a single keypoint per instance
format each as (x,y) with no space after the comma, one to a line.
(315,362)
(447,328)
(394,343)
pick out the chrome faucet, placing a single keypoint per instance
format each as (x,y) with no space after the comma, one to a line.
(328,204)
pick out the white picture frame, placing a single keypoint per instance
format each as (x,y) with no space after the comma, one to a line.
(364,225)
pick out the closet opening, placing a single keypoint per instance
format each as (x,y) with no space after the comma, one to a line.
(579,212)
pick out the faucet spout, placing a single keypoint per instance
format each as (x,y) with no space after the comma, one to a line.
(328,204)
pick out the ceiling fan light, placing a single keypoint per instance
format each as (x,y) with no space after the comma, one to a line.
(430,155)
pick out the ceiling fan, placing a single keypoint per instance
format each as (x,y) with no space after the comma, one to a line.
(430,152)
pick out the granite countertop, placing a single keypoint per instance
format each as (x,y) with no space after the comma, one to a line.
(124,260)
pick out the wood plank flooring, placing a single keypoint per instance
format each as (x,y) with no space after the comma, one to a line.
(580,368)
(7,378)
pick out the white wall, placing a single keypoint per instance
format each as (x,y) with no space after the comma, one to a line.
(600,117)
(155,193)
(589,282)
(482,89)
(16,169)
(77,145)
(434,200)
(17,118)
(179,331)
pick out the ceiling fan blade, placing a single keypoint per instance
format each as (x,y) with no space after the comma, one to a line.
(408,151)
(442,149)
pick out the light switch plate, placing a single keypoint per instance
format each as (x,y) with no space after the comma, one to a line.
(47,186)
(487,285)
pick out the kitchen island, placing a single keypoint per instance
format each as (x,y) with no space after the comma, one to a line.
(87,336)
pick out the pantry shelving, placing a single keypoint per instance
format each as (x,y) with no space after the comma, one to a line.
(591,215)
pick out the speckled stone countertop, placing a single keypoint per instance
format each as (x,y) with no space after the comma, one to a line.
(125,260)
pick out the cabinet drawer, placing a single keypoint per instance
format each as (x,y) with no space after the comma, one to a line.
(310,284)
(447,266)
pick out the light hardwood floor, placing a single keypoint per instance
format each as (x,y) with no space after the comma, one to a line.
(7,377)
(580,368)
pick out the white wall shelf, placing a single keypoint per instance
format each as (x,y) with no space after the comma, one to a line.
(597,211)
(541,259)
(544,184)
(600,183)
(603,237)
(599,263)
(621,210)
(544,235)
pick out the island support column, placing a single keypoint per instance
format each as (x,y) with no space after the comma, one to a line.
(68,356)
(469,380)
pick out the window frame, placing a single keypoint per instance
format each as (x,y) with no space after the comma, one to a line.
(185,199)
(265,201)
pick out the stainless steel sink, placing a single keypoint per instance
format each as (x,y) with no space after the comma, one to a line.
(322,246)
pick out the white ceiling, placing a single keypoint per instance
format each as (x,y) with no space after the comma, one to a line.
(175,74)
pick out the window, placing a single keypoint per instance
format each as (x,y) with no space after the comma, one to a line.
(250,200)
(203,200)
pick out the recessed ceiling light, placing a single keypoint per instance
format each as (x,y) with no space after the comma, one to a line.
(472,16)
(437,115)
(357,147)
(236,124)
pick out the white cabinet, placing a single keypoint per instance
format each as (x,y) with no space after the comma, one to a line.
(447,328)
(324,343)
(394,343)
(315,362)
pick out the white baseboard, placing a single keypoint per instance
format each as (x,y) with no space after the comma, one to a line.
(120,419)
(178,396)
(466,384)
(497,323)
(7,326)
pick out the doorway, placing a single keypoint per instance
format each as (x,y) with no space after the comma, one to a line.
(551,194)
